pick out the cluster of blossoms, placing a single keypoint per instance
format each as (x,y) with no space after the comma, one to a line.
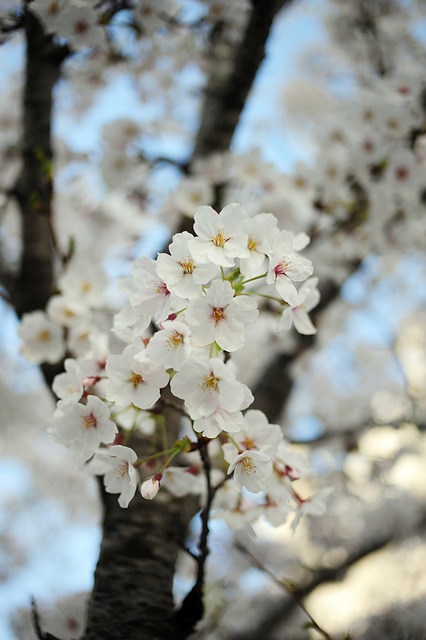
(73,317)
(199,298)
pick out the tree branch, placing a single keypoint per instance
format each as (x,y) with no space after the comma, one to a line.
(282,610)
(273,389)
(36,281)
(132,596)
(192,609)
(231,79)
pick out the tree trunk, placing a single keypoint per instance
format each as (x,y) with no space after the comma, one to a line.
(35,283)
(132,597)
(231,79)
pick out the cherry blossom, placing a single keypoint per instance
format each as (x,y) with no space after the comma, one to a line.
(117,466)
(220,237)
(286,265)
(83,427)
(68,386)
(152,296)
(170,346)
(220,420)
(80,25)
(67,311)
(220,317)
(182,274)
(42,340)
(205,384)
(309,297)
(261,231)
(252,470)
(151,487)
(134,379)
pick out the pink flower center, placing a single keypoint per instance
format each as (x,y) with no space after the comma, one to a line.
(89,422)
(136,379)
(217,315)
(210,382)
(174,340)
(161,287)
(282,267)
(122,470)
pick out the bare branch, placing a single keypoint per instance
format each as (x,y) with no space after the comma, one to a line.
(232,78)
(282,610)
(286,585)
(192,609)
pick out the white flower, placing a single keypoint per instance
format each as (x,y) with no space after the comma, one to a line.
(80,25)
(220,420)
(252,470)
(83,427)
(67,311)
(309,297)
(42,340)
(191,194)
(221,317)
(170,346)
(285,265)
(120,476)
(49,12)
(152,297)
(206,385)
(313,506)
(261,231)
(221,237)
(85,280)
(182,481)
(182,274)
(133,418)
(129,325)
(257,433)
(68,386)
(134,379)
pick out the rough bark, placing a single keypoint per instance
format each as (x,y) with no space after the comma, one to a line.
(132,596)
(35,282)
(231,79)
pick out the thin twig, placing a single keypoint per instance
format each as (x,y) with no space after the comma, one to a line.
(42,635)
(192,608)
(284,584)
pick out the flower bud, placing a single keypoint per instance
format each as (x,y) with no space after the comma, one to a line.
(151,487)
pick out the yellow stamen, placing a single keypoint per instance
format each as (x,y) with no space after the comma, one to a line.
(136,379)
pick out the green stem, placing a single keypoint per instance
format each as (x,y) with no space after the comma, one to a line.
(263,275)
(169,459)
(264,295)
(140,461)
(234,442)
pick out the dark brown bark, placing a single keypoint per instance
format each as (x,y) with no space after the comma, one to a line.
(35,282)
(231,79)
(132,596)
